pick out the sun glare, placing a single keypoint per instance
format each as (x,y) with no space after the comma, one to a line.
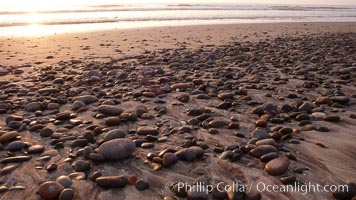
(33,8)
(35,5)
(34,18)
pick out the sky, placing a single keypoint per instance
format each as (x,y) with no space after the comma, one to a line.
(58,2)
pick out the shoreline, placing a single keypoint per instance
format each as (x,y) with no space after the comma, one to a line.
(188,26)
(157,26)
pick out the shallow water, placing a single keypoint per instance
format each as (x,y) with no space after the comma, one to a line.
(70,18)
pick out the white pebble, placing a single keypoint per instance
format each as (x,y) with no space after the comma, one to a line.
(318,115)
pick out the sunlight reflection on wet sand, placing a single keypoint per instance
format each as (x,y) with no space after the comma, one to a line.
(43,30)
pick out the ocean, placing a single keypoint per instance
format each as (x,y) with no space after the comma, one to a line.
(96,17)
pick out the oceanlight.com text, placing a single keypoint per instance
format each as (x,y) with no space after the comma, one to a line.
(303,188)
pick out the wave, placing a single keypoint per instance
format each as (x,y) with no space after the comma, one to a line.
(162,19)
(170,7)
(58,23)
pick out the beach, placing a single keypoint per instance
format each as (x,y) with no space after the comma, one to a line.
(133,113)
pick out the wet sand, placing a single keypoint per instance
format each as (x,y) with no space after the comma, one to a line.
(93,112)
(120,43)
